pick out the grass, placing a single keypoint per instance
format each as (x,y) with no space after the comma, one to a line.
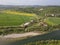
(53,20)
(18,13)
(13,19)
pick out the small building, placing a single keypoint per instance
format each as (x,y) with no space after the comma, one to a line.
(41,9)
(25,24)
(43,24)
(57,15)
(52,15)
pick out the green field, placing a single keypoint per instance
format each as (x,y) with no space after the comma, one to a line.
(13,20)
(53,20)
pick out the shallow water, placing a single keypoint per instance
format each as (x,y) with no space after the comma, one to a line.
(55,35)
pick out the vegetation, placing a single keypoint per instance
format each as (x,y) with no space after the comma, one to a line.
(11,19)
(53,20)
(18,16)
(45,42)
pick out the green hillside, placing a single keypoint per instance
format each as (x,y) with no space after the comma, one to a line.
(13,19)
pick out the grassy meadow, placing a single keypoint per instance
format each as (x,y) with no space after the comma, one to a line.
(10,18)
(53,20)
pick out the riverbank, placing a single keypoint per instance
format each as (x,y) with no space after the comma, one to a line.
(21,35)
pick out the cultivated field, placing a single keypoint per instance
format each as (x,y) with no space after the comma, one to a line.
(14,18)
